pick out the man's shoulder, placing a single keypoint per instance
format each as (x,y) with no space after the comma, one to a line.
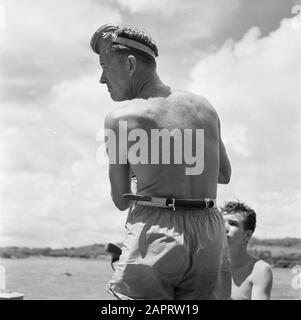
(119,112)
(198,102)
(128,109)
(193,97)
(129,112)
(136,109)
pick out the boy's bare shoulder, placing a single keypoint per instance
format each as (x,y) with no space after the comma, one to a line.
(261,265)
(261,270)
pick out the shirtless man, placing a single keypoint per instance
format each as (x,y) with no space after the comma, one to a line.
(175,233)
(251,277)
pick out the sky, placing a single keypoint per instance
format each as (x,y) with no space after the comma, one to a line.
(243,56)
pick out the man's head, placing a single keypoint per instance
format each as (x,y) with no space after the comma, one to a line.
(240,222)
(125,55)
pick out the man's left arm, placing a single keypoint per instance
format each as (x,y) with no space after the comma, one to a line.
(119,173)
(225,166)
(262,283)
(120,184)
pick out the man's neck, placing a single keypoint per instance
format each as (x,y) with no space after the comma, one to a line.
(239,257)
(148,87)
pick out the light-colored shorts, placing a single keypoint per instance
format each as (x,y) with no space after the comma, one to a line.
(170,255)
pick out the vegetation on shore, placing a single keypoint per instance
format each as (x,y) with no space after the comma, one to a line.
(94,251)
(282,253)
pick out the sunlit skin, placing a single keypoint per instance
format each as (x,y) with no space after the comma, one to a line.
(126,79)
(115,77)
(237,236)
(154,105)
(151,101)
(251,277)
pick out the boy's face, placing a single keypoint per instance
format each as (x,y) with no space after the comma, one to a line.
(235,231)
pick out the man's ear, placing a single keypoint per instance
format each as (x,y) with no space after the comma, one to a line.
(248,235)
(131,64)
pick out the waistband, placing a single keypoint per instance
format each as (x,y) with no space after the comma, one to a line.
(171,203)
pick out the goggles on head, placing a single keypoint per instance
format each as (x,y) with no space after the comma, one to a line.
(105,36)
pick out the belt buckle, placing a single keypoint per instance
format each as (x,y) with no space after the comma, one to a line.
(172,205)
(207,201)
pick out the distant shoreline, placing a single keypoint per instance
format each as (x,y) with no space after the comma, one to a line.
(94,251)
(281,253)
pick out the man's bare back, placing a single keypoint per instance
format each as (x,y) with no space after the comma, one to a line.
(170,140)
(180,110)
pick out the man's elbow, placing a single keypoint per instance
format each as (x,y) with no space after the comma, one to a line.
(225,177)
(224,180)
(120,203)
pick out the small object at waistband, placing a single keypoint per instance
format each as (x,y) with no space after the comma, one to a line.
(171,202)
(115,252)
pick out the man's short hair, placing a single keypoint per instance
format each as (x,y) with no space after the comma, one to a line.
(139,36)
(232,207)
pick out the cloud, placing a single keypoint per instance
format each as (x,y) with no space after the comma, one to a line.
(143,5)
(51,109)
(237,137)
(51,182)
(254,85)
(182,24)
(45,211)
(52,190)
(183,30)
(170,7)
(40,47)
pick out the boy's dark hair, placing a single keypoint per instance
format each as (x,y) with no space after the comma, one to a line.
(232,207)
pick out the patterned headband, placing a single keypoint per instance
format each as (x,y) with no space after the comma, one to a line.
(106,33)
